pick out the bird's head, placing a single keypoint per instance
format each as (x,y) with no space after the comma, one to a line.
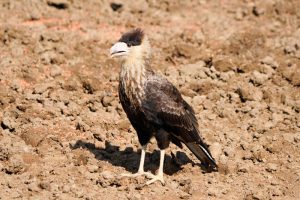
(132,45)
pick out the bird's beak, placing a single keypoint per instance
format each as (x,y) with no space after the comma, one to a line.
(119,49)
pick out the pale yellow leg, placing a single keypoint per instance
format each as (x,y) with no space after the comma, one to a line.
(141,171)
(160,174)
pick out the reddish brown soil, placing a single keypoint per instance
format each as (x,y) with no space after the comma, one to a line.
(64,134)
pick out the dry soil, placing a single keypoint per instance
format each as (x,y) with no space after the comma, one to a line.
(64,135)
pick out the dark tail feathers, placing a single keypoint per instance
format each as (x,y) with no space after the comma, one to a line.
(202,152)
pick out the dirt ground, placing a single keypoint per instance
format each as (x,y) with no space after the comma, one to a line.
(64,135)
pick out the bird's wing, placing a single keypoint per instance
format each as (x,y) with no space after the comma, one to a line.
(164,105)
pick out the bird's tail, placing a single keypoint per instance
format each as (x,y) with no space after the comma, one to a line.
(201,151)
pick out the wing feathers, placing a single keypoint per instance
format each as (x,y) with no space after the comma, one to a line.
(164,105)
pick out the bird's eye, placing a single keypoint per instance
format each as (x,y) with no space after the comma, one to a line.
(129,44)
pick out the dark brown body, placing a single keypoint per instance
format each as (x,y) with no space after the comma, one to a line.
(160,111)
(153,105)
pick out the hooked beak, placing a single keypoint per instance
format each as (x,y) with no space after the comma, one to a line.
(119,49)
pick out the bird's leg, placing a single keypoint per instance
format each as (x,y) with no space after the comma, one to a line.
(160,174)
(141,167)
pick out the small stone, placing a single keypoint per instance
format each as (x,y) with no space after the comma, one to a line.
(66,188)
(35,14)
(58,4)
(229,151)
(271,167)
(98,136)
(277,191)
(257,11)
(81,125)
(34,136)
(212,116)
(225,76)
(258,195)
(223,159)
(243,169)
(55,71)
(136,197)
(216,149)
(249,93)
(212,191)
(195,70)
(173,185)
(107,175)
(139,7)
(198,100)
(231,167)
(124,125)
(277,117)
(268,60)
(297,137)
(116,6)
(106,101)
(15,165)
(92,168)
(33,187)
(259,78)
(40,88)
(183,195)
(240,14)
(8,123)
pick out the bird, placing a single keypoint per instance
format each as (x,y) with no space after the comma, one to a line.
(154,106)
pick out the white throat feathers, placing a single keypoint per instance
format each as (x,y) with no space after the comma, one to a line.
(134,69)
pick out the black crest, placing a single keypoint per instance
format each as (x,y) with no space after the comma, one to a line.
(133,37)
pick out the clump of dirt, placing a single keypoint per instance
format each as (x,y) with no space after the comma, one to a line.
(64,134)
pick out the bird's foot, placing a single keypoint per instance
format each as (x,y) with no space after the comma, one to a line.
(155,178)
(139,173)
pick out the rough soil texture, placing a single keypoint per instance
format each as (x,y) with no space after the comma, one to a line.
(64,135)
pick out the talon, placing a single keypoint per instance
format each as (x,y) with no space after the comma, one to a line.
(147,174)
(156,178)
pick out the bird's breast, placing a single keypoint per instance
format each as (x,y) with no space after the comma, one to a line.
(132,84)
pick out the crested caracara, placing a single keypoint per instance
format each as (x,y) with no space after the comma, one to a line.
(154,106)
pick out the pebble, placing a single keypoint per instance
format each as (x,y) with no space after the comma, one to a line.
(107,100)
(198,100)
(249,93)
(243,167)
(8,122)
(240,13)
(196,70)
(173,185)
(223,159)
(226,76)
(229,151)
(33,187)
(271,167)
(16,165)
(259,78)
(216,150)
(92,168)
(107,175)
(257,10)
(59,4)
(258,195)
(55,71)
(41,88)
(268,60)
(212,191)
(136,197)
(44,186)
